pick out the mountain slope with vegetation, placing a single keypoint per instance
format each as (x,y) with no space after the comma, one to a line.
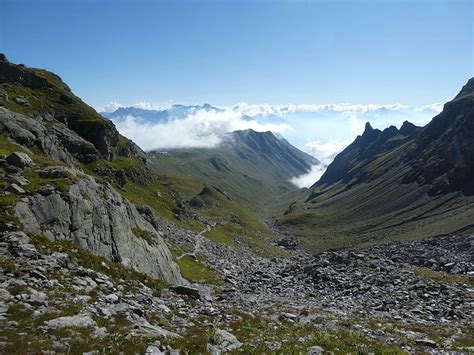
(394,184)
(254,168)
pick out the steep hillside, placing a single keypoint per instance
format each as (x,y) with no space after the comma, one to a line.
(394,184)
(62,166)
(253,168)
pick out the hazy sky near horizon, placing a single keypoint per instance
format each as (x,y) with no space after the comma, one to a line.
(224,52)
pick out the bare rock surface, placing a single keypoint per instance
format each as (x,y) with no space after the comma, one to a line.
(100,220)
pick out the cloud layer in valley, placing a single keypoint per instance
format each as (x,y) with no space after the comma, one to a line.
(320,130)
(201,128)
(306,180)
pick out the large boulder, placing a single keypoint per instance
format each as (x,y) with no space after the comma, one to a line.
(20,160)
(223,341)
(77,321)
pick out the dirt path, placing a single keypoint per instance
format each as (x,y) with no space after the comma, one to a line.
(197,244)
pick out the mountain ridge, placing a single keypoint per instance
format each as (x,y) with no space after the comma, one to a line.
(252,167)
(395,184)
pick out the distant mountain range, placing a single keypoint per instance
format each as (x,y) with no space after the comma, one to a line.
(395,184)
(150,115)
(319,130)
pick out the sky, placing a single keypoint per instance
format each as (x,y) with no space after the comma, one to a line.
(260,51)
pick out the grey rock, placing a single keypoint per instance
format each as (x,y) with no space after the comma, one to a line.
(100,220)
(315,350)
(222,341)
(21,100)
(20,160)
(148,330)
(37,297)
(46,190)
(62,259)
(16,189)
(79,321)
(5,295)
(3,308)
(21,180)
(426,342)
(187,291)
(113,298)
(154,349)
(57,141)
(55,172)
(287,242)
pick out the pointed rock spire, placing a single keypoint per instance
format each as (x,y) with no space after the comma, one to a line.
(368,127)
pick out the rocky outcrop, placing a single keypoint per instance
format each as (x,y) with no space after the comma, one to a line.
(46,97)
(52,138)
(100,220)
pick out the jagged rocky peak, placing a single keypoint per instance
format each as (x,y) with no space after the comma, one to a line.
(369,133)
(368,127)
(408,128)
(389,132)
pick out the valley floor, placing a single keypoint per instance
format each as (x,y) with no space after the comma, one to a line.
(411,297)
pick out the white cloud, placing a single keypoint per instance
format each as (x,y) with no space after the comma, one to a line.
(260,110)
(321,130)
(326,151)
(150,106)
(308,179)
(113,106)
(110,107)
(199,129)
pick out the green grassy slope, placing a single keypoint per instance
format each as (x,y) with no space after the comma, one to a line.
(253,168)
(232,222)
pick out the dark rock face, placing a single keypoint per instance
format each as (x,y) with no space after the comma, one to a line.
(187,291)
(440,154)
(446,146)
(350,164)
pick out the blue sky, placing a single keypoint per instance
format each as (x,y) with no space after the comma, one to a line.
(224,52)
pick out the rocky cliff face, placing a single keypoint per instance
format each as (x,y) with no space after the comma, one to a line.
(50,193)
(100,220)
